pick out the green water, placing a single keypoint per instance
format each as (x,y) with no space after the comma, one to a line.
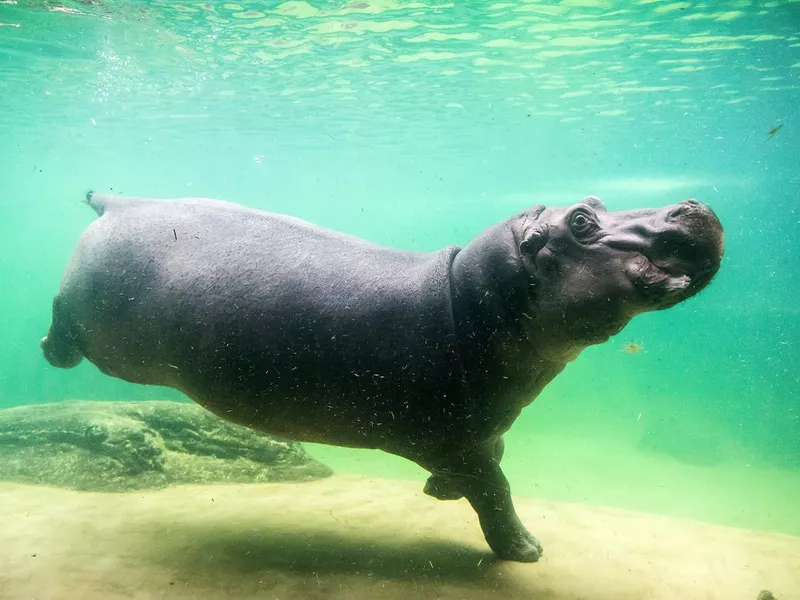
(416,125)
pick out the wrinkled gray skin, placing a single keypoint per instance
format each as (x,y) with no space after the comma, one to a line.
(302,332)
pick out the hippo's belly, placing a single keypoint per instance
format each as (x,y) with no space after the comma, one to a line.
(282,327)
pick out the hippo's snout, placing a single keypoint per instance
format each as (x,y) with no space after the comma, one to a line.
(699,239)
(687,245)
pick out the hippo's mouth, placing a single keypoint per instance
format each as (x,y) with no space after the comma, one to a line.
(657,281)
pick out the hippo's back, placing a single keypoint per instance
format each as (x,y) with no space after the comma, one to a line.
(259,316)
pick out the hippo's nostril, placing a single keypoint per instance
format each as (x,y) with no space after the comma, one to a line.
(686,207)
(677,212)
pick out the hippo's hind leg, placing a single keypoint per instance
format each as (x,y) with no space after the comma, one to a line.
(442,487)
(479,477)
(60,345)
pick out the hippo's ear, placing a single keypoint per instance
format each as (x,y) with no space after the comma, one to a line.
(595,203)
(534,232)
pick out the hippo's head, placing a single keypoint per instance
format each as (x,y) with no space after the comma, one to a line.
(591,270)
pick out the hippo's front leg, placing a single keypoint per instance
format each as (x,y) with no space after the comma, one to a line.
(480,479)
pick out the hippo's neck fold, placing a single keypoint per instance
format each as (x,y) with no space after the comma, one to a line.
(492,311)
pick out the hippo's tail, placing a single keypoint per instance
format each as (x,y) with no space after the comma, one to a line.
(102,203)
(97,202)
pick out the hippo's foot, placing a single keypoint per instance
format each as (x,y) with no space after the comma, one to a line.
(519,545)
(60,353)
(60,345)
(442,487)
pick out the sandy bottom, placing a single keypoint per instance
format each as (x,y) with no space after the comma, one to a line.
(354,537)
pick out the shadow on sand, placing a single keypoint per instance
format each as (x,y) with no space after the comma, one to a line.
(219,551)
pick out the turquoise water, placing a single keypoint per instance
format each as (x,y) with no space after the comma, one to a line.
(416,125)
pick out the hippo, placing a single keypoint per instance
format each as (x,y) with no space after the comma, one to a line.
(301,332)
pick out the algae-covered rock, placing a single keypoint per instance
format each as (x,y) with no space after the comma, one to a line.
(121,446)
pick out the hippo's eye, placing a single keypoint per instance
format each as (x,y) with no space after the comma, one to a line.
(581,224)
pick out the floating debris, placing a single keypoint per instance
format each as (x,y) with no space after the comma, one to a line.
(632,347)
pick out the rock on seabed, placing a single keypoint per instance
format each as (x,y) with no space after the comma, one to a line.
(124,446)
